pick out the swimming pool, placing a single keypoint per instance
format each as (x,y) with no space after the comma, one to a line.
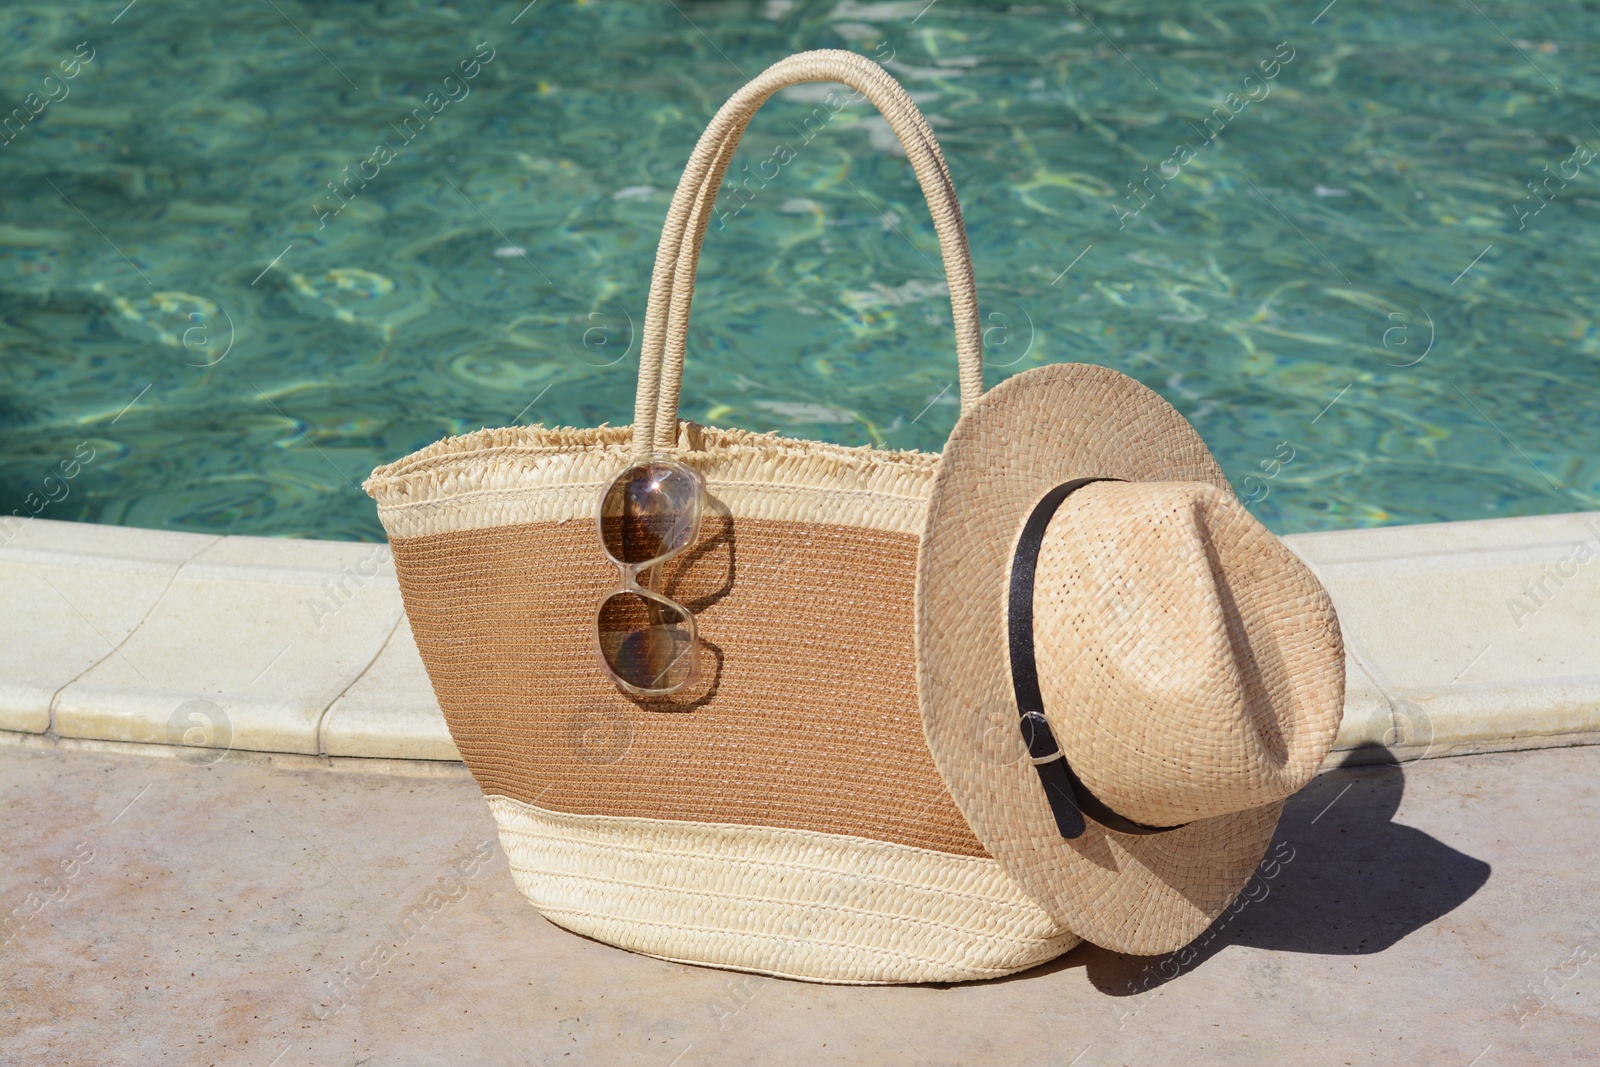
(247,254)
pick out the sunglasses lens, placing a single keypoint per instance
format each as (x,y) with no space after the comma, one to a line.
(651,510)
(646,643)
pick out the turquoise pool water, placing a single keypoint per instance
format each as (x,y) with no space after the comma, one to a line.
(1368,278)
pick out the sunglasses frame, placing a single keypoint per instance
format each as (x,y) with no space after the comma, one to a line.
(630,571)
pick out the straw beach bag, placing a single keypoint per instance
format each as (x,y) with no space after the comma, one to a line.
(783,814)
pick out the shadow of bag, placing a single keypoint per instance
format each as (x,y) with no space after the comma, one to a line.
(784,814)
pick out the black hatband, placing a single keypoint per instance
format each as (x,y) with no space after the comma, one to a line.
(1070,800)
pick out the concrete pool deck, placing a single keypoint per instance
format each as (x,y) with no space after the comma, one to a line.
(1440,912)
(1463,637)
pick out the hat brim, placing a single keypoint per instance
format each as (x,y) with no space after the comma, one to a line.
(1036,430)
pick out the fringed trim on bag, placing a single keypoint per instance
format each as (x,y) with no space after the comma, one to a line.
(532,474)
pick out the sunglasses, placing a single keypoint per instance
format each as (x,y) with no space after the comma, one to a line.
(647,515)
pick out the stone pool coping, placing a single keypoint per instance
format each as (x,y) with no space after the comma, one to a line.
(1463,637)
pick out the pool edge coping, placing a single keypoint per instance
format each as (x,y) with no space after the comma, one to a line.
(358,692)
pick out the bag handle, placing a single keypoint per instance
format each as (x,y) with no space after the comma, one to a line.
(666,323)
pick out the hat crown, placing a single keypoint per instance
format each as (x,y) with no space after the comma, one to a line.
(1032,433)
(1190,665)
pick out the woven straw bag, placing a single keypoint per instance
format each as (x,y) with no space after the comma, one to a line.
(784,815)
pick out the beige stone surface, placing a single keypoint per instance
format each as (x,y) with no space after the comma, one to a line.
(250,644)
(1460,603)
(1442,912)
(390,711)
(73,592)
(1368,718)
(1472,632)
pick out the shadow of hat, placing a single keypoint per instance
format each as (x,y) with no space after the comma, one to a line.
(1355,881)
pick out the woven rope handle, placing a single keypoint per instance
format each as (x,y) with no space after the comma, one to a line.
(666,323)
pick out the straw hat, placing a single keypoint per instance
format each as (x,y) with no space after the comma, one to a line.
(1189,666)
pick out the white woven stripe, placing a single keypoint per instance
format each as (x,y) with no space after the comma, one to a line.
(525,475)
(560,503)
(795,903)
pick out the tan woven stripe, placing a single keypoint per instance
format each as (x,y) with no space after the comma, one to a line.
(788,902)
(807,719)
